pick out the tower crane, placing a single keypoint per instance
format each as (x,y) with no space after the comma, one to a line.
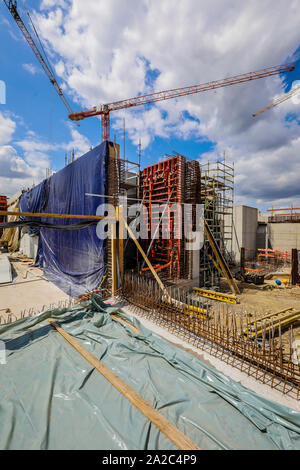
(105,109)
(12,7)
(277,101)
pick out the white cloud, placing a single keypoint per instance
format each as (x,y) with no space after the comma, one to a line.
(51,3)
(79,143)
(107,51)
(22,170)
(11,164)
(16,171)
(7,129)
(32,69)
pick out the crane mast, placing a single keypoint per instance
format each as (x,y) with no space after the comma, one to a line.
(12,7)
(105,109)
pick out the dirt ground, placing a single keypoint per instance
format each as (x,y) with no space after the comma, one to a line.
(29,291)
(271,300)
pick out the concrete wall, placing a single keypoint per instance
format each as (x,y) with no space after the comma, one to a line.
(250,231)
(262,238)
(29,245)
(245,224)
(284,236)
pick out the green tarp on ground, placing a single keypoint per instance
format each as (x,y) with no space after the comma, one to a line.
(52,398)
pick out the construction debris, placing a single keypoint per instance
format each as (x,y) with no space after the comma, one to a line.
(215,295)
(271,322)
(5,270)
(222,331)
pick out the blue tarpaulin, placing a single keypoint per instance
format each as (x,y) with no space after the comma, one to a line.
(52,398)
(74,260)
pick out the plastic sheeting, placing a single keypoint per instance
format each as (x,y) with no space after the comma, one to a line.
(52,398)
(73,260)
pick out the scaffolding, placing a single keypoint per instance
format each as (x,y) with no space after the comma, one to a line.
(217,196)
(129,178)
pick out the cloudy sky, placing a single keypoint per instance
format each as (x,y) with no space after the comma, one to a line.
(107,50)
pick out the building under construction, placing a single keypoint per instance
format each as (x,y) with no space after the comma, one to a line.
(191,293)
(154,265)
(174,193)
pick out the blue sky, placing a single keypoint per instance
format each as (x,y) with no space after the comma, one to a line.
(31,97)
(200,127)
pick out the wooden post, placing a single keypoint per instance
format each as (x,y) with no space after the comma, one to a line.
(295,278)
(147,261)
(221,260)
(242,262)
(113,244)
(120,219)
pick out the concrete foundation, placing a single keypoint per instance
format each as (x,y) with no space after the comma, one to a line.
(29,245)
(252,230)
(284,236)
(245,229)
(5,270)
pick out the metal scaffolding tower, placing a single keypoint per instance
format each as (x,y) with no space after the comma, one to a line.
(217,196)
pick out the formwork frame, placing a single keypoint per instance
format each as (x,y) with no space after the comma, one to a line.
(217,196)
(161,183)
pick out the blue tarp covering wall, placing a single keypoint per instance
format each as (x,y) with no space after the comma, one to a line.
(72,259)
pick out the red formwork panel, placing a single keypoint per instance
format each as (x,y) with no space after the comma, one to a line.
(162,182)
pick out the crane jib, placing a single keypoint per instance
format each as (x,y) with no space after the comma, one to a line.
(177,92)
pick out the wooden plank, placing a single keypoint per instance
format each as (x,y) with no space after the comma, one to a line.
(113,243)
(243,257)
(295,277)
(215,295)
(163,424)
(55,216)
(120,319)
(215,265)
(147,261)
(222,263)
(120,218)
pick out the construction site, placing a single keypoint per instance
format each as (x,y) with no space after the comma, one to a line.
(141,308)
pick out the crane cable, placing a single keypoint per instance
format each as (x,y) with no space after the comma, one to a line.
(42,47)
(42,58)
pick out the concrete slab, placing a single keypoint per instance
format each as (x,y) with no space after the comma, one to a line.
(30,291)
(5,269)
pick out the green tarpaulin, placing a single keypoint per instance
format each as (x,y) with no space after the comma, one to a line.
(52,398)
